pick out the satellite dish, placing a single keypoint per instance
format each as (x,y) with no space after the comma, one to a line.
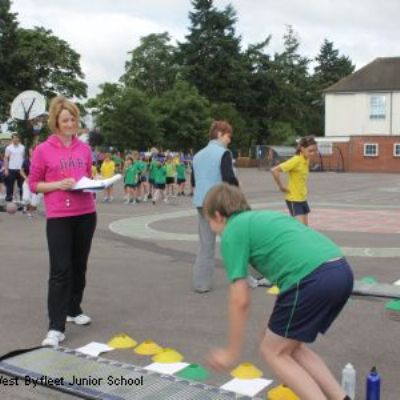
(28,105)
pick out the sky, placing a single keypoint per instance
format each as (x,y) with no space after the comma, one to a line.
(104,31)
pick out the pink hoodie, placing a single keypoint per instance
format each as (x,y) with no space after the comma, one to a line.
(53,161)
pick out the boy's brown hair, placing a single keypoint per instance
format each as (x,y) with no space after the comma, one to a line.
(226,199)
(219,126)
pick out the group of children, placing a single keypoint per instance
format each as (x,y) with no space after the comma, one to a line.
(147,176)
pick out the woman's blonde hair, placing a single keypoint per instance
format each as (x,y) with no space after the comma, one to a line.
(57,105)
(226,199)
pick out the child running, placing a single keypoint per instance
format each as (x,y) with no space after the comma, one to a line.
(297,168)
(315,282)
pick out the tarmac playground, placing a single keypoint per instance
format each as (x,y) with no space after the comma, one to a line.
(139,280)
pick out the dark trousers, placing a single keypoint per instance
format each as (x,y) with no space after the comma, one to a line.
(69,240)
(13,175)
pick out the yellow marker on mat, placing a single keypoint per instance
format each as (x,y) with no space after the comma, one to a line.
(246,370)
(274,290)
(148,348)
(168,356)
(122,341)
(281,392)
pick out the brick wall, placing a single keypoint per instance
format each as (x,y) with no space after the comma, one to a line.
(350,156)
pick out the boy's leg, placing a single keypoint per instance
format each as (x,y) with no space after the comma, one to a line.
(278,353)
(317,368)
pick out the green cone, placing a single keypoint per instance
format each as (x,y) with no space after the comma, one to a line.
(393,305)
(194,372)
(368,279)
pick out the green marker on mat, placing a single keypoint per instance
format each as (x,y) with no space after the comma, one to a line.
(194,372)
(369,280)
(393,305)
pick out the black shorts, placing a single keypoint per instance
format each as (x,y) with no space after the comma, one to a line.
(151,181)
(143,178)
(160,186)
(310,307)
(181,181)
(170,180)
(298,207)
(131,185)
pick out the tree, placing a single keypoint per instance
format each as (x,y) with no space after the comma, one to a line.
(124,117)
(211,56)
(330,68)
(50,65)
(152,67)
(8,71)
(183,117)
(291,100)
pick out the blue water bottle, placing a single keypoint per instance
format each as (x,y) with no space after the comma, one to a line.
(373,385)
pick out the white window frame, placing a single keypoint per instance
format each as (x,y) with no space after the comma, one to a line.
(377,107)
(396,146)
(371,144)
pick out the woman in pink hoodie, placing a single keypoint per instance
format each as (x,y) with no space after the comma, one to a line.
(56,165)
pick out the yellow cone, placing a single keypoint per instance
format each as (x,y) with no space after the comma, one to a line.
(281,392)
(122,341)
(148,348)
(274,290)
(246,370)
(168,356)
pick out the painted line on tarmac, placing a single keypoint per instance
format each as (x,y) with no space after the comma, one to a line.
(139,228)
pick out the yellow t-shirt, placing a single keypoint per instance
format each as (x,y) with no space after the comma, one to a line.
(297,169)
(107,169)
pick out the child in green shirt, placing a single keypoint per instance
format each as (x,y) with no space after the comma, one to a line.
(160,179)
(315,282)
(181,177)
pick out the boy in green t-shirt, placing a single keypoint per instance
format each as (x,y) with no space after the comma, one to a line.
(170,167)
(160,179)
(131,180)
(181,177)
(315,282)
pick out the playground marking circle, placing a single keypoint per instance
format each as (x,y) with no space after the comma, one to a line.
(140,227)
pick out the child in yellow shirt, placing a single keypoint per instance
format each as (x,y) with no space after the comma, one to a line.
(297,168)
(107,170)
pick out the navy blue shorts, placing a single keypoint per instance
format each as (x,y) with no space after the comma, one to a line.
(160,186)
(180,181)
(298,207)
(143,178)
(131,185)
(310,307)
(151,181)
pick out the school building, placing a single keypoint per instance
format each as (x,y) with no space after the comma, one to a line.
(362,120)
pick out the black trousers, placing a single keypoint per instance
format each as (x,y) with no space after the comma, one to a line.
(69,241)
(13,175)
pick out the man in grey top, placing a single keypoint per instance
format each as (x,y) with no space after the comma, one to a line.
(14,157)
(211,166)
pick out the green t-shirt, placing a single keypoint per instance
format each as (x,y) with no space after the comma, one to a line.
(181,170)
(160,175)
(131,175)
(152,168)
(281,248)
(142,166)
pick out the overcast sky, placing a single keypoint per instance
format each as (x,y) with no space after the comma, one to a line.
(103,31)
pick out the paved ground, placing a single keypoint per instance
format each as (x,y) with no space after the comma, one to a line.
(140,273)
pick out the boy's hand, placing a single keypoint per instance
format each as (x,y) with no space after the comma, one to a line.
(221,360)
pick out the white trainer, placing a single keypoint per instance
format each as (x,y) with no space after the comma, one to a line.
(80,319)
(53,338)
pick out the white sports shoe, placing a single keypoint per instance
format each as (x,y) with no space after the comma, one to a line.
(80,319)
(53,338)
